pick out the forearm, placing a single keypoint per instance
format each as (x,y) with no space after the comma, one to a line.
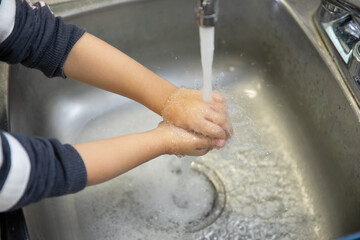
(97,63)
(106,159)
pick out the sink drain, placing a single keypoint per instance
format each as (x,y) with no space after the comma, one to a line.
(218,202)
(180,198)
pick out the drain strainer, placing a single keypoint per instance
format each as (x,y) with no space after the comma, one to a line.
(183,199)
(218,202)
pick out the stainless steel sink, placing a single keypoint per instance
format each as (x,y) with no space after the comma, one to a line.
(291,171)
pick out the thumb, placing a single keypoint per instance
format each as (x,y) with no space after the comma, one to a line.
(211,143)
(219,143)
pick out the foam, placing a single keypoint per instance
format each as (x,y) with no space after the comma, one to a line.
(164,196)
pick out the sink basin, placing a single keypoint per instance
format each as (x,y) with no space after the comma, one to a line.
(291,171)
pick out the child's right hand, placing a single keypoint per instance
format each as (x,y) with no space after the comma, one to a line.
(182,142)
(186,109)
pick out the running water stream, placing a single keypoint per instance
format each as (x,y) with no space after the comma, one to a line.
(207,54)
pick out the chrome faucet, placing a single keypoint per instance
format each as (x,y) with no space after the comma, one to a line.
(338,22)
(206,12)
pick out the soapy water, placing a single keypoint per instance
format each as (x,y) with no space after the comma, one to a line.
(154,201)
(159,199)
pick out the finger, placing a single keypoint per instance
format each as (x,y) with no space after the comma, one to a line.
(219,143)
(203,142)
(214,143)
(217,97)
(211,129)
(215,117)
(201,151)
(221,120)
(219,107)
(229,129)
(201,145)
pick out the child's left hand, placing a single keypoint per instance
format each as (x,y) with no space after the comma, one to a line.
(182,142)
(186,109)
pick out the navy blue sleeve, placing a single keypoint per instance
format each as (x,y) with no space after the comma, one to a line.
(39,40)
(35,168)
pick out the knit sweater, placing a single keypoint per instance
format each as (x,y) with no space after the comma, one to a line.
(32,168)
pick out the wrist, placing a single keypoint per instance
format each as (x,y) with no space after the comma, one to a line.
(163,139)
(171,91)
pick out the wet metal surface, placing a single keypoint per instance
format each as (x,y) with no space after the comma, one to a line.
(291,170)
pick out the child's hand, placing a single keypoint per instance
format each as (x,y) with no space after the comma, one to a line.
(181,142)
(187,109)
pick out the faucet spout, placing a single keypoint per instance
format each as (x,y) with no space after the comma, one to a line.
(206,12)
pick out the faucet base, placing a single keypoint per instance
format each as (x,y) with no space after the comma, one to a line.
(340,32)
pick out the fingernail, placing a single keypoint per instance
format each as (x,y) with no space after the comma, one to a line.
(220,143)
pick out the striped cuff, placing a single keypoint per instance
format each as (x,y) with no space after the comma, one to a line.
(15,170)
(7,18)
